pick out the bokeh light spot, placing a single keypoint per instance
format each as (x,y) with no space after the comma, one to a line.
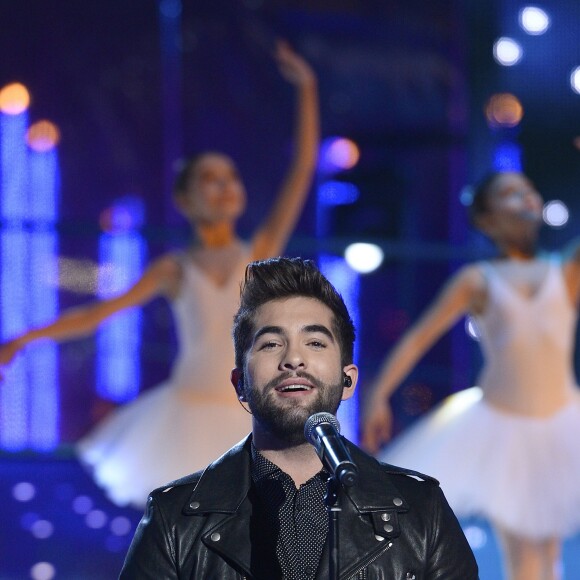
(42,571)
(363,258)
(23,491)
(339,153)
(82,504)
(534,20)
(14,99)
(121,526)
(96,519)
(42,136)
(555,213)
(124,215)
(476,537)
(507,51)
(42,529)
(503,110)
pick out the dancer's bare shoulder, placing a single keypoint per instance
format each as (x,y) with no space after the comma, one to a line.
(167,270)
(471,279)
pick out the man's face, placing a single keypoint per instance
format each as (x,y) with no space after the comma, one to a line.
(293,367)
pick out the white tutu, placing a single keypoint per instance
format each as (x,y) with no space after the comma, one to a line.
(158,438)
(519,472)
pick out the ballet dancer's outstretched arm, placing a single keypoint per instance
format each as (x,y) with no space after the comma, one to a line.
(159,279)
(465,291)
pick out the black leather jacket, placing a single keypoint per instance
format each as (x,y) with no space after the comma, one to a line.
(392,526)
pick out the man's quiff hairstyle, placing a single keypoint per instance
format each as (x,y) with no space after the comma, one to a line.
(279,278)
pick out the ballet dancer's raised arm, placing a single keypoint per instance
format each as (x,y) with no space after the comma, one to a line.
(272,236)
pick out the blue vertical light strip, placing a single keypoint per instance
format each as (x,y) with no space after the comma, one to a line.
(13,275)
(347,282)
(121,257)
(13,391)
(13,165)
(43,298)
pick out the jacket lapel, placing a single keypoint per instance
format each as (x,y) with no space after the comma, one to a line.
(369,519)
(220,496)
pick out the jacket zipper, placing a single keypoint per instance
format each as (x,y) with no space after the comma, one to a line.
(361,569)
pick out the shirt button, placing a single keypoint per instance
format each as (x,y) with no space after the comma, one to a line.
(194,505)
(388,528)
(215,537)
(386,517)
(398,501)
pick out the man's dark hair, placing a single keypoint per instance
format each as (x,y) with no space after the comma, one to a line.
(279,278)
(481,195)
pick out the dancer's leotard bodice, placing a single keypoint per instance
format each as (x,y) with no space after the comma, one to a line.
(527,344)
(204,313)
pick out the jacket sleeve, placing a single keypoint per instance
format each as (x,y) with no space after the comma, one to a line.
(151,554)
(450,556)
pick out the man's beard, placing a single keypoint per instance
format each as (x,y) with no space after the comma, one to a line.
(286,421)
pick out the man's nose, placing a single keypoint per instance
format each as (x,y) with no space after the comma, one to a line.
(293,358)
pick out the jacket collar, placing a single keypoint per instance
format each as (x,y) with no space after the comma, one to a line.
(374,490)
(225,483)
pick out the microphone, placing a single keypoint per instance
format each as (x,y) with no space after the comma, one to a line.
(322,431)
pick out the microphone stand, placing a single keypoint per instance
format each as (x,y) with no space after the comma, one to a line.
(333,508)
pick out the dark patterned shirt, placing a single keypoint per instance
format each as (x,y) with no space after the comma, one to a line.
(296,518)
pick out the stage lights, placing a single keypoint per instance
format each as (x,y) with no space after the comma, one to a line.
(338,153)
(507,51)
(42,136)
(534,20)
(29,193)
(14,99)
(122,253)
(555,213)
(503,110)
(364,258)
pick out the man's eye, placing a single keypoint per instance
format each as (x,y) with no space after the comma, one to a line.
(269,345)
(317,344)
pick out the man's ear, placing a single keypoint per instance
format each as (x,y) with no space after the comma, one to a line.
(237,379)
(348,386)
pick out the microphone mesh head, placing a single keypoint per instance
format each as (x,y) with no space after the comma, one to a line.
(317,419)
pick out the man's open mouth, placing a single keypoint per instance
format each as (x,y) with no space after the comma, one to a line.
(293,388)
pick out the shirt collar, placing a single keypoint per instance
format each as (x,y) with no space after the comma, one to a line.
(262,468)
